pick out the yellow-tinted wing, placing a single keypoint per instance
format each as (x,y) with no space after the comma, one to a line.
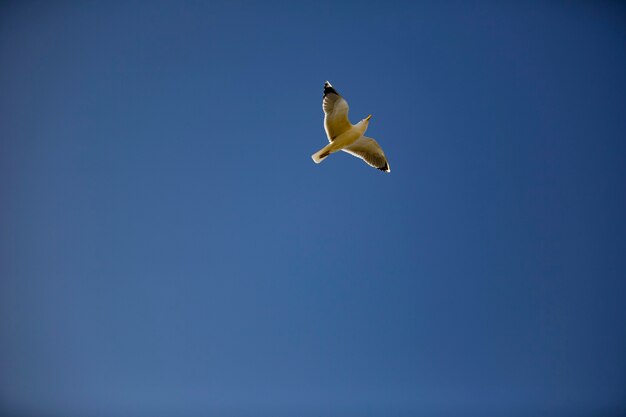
(335,112)
(370,151)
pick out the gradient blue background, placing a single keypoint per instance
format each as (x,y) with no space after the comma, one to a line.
(168,248)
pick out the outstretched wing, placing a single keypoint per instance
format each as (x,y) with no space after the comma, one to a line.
(370,151)
(335,112)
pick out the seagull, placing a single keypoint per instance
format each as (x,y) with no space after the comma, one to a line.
(344,136)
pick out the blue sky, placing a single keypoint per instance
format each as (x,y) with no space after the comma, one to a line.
(169,248)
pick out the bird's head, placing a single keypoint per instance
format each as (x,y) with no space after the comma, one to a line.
(364,123)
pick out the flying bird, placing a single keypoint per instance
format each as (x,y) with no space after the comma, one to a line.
(344,136)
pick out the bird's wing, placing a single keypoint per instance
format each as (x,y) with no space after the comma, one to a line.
(335,112)
(370,151)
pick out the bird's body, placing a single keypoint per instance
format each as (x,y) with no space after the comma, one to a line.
(342,141)
(344,136)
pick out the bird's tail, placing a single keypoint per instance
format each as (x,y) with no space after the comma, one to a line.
(320,155)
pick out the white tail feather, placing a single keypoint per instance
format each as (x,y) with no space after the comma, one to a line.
(317,156)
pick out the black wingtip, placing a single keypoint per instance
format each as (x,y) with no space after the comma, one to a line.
(328,89)
(385,168)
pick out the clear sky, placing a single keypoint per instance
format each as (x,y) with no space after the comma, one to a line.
(168,247)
